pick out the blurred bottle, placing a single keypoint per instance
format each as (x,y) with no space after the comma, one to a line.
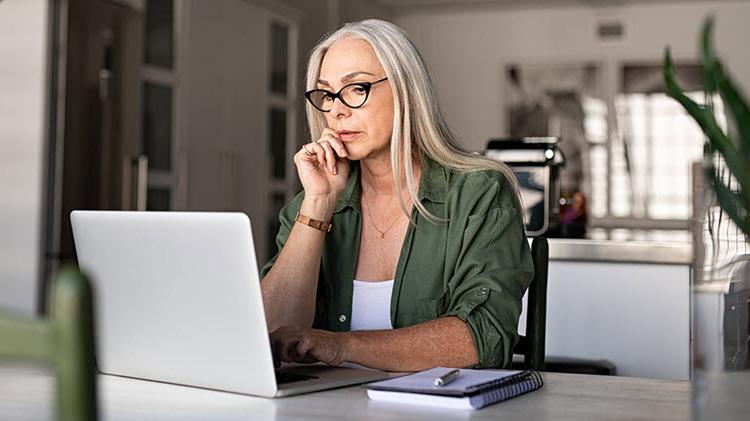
(573,215)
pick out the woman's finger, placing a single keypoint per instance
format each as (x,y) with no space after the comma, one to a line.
(306,153)
(286,348)
(330,155)
(303,346)
(320,153)
(316,153)
(328,131)
(337,144)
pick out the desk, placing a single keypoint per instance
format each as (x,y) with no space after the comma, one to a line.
(26,394)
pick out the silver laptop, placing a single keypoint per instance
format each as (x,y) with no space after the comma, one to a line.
(177,299)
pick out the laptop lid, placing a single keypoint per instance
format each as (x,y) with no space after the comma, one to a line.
(177,298)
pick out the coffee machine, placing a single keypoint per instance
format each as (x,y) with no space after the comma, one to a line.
(536,161)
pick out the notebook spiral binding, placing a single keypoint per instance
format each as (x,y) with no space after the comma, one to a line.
(510,387)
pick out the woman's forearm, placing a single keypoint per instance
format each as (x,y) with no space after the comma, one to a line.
(441,342)
(289,289)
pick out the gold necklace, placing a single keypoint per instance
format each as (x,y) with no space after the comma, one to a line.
(372,221)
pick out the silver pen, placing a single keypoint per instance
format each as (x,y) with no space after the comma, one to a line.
(447,378)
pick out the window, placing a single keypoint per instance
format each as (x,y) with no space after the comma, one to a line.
(159,137)
(159,36)
(661,141)
(279,58)
(640,181)
(597,134)
(277,143)
(158,199)
(157,126)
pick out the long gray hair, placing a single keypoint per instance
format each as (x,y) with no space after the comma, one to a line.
(418,124)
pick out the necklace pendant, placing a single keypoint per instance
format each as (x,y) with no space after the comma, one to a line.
(382,235)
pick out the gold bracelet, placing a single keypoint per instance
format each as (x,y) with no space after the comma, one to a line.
(318,225)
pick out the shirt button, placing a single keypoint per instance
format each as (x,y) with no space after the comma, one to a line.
(342,318)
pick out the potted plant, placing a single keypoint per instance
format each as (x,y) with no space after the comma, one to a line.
(735,152)
(721,295)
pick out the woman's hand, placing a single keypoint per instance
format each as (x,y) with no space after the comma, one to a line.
(291,344)
(322,166)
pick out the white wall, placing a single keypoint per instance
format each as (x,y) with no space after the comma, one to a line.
(23,73)
(467,49)
(223,108)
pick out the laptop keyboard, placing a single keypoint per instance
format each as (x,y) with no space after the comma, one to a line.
(286,377)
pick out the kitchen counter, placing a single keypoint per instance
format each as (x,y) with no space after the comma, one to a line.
(627,302)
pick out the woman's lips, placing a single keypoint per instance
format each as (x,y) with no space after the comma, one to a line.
(345,137)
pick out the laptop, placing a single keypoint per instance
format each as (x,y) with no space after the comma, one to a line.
(178,300)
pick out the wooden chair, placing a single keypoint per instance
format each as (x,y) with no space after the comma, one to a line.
(65,340)
(531,345)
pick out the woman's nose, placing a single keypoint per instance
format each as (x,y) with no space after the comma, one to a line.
(338,109)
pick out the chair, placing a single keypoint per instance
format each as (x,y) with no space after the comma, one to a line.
(65,339)
(531,346)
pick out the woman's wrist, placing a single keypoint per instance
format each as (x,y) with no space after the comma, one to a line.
(346,342)
(318,207)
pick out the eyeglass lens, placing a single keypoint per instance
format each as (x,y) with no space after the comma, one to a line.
(352,96)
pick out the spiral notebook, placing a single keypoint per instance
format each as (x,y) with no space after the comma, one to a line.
(473,389)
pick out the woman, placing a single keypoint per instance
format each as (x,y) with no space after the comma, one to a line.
(402,253)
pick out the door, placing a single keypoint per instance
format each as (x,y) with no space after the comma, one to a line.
(102,116)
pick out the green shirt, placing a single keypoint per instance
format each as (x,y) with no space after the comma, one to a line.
(476,266)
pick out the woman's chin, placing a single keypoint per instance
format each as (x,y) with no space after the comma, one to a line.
(355,152)
(359,152)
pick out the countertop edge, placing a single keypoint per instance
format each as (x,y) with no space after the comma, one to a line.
(649,252)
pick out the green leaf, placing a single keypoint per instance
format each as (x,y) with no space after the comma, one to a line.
(708,57)
(733,99)
(738,109)
(718,141)
(730,202)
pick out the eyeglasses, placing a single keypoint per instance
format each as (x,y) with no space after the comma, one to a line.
(353,95)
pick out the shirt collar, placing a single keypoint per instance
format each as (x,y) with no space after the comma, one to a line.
(433,185)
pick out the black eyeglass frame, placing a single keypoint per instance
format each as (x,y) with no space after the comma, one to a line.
(365,85)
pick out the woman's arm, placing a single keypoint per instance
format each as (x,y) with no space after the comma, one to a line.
(441,342)
(289,289)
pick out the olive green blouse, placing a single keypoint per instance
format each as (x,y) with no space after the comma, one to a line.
(476,266)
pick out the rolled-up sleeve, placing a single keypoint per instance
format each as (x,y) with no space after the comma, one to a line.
(493,270)
(286,221)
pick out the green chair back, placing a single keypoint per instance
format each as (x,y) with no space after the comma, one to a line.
(65,340)
(531,345)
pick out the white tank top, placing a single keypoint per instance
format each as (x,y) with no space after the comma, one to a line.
(371,305)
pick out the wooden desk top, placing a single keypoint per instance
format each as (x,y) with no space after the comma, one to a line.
(27,393)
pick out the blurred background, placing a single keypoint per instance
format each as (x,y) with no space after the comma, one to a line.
(198,105)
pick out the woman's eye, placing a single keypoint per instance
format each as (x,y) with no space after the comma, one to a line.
(359,90)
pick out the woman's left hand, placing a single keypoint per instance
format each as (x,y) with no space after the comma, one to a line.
(293,344)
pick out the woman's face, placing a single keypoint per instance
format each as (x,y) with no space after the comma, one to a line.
(365,131)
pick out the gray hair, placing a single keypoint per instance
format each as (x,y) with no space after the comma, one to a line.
(417,120)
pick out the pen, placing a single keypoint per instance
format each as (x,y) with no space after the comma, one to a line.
(447,378)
